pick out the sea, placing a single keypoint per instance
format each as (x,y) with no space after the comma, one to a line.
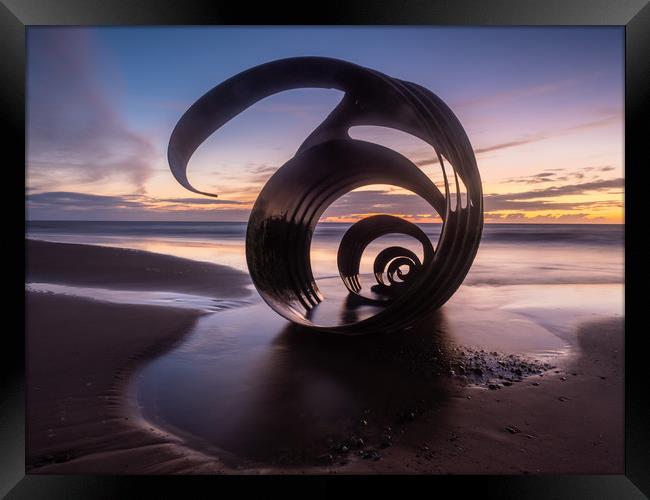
(508,254)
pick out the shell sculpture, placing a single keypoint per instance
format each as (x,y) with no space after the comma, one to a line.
(328,164)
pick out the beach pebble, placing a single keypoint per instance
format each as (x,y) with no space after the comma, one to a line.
(406,416)
(357,442)
(369,454)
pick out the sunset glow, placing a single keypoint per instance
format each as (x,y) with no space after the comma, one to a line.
(543,109)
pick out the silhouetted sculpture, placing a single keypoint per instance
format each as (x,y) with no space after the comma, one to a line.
(329,164)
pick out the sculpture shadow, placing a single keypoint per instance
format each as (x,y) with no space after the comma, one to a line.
(319,394)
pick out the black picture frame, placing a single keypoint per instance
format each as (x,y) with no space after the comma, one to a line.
(634,15)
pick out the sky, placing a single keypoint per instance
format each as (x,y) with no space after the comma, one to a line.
(543,109)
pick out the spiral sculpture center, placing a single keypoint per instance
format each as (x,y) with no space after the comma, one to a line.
(329,164)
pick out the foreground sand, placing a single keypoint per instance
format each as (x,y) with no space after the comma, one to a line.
(81,354)
(83,419)
(569,420)
(80,418)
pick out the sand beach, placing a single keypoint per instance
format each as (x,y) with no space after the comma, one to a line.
(195,374)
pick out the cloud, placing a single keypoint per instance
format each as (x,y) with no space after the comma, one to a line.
(570,189)
(512,94)
(505,145)
(601,122)
(558,174)
(80,201)
(538,199)
(200,201)
(520,217)
(599,169)
(259,174)
(357,203)
(68,205)
(74,132)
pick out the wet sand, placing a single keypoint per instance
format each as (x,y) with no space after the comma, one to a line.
(126,269)
(568,420)
(82,352)
(80,419)
(416,402)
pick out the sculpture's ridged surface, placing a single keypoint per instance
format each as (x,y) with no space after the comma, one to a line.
(329,164)
(387,266)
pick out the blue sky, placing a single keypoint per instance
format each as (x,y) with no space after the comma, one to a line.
(102,103)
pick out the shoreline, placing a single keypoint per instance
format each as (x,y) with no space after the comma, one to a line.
(133,445)
(126,269)
(91,425)
(61,408)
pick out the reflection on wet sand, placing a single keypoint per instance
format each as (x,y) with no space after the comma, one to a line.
(250,388)
(286,394)
(321,391)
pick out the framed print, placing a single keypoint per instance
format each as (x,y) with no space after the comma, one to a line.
(396,240)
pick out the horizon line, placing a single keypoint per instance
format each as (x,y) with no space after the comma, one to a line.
(326,222)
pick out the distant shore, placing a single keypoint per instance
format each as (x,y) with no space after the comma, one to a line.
(82,354)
